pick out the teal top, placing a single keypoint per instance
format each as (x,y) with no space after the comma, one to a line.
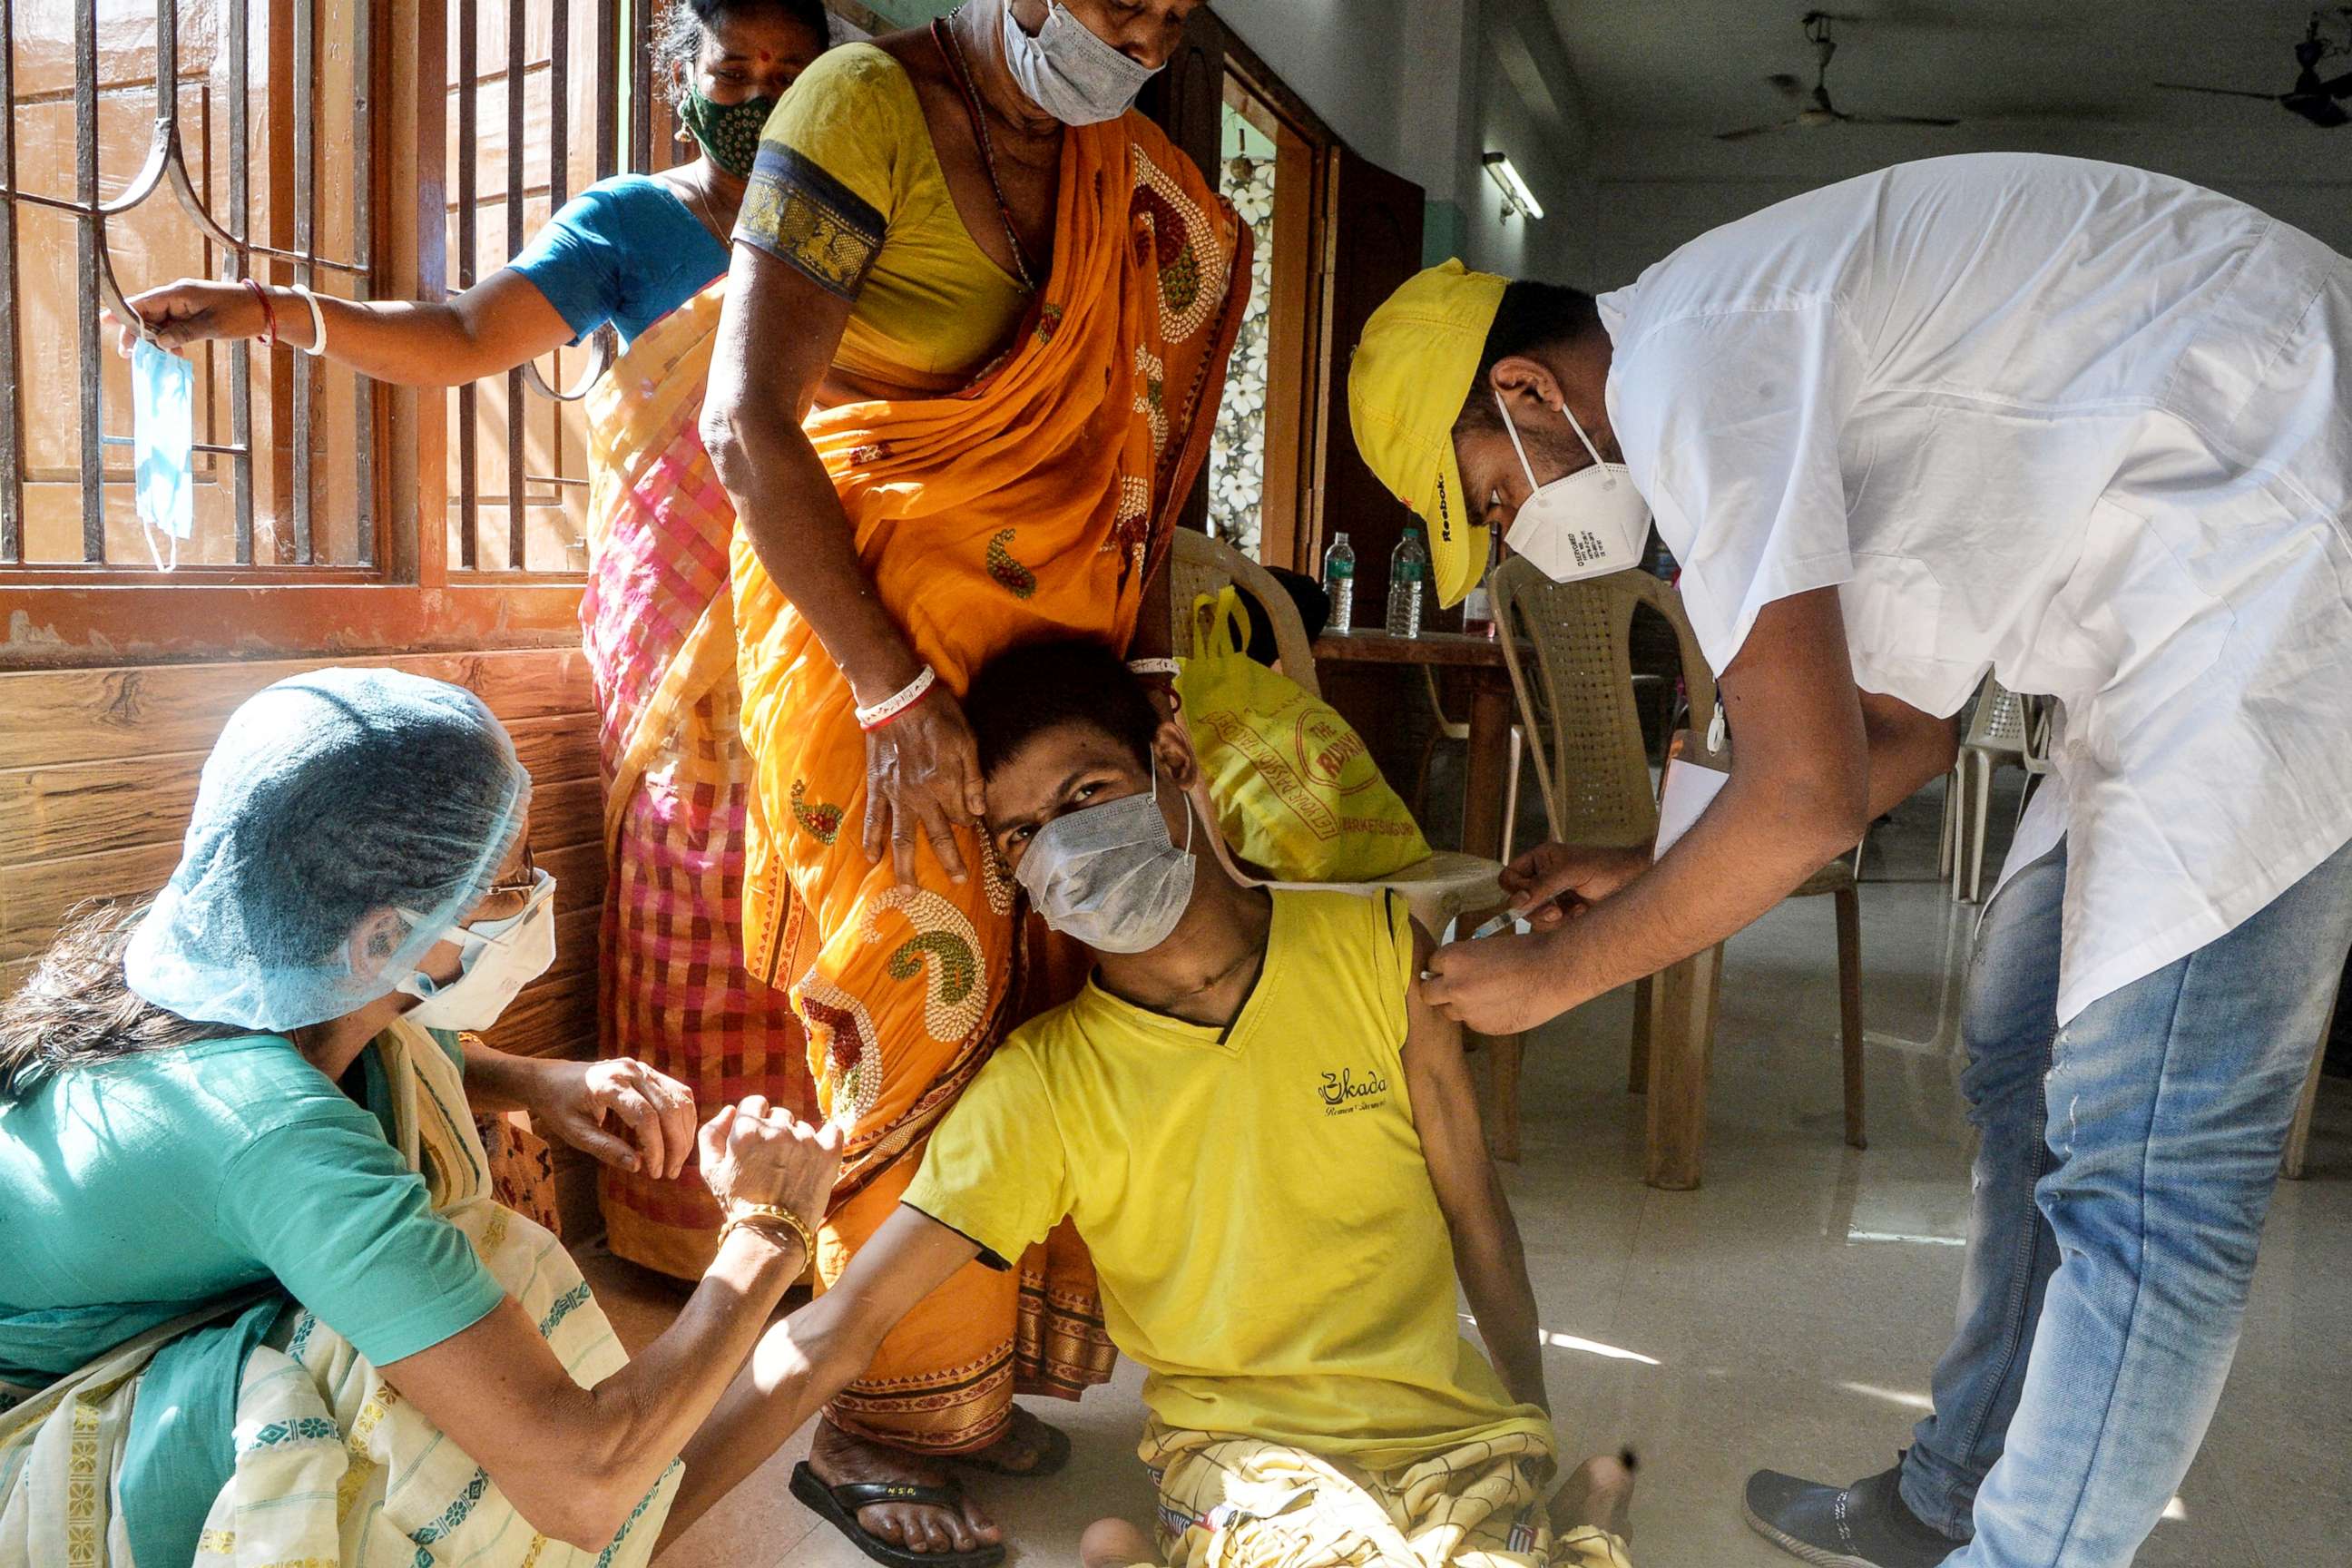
(134,1191)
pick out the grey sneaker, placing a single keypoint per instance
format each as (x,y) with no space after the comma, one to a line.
(1865,1525)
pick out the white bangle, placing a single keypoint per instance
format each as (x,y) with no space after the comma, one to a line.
(1167,667)
(318,322)
(897,702)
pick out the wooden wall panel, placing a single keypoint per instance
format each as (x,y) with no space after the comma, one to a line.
(99,770)
(80,808)
(35,897)
(106,714)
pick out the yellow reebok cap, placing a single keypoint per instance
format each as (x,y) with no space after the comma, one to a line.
(1407,382)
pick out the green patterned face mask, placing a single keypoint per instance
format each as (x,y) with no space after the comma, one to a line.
(729,132)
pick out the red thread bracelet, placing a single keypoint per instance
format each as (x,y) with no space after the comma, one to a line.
(268,313)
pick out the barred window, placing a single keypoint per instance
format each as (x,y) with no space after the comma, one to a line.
(360,147)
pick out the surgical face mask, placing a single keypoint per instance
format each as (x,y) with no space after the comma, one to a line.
(729,134)
(1068,72)
(498,959)
(1110,875)
(1584,524)
(163,437)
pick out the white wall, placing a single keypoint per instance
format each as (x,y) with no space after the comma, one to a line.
(1340,56)
(1529,107)
(1425,88)
(1656,187)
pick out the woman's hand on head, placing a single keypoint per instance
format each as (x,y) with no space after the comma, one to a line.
(922,780)
(192,310)
(755,1154)
(622,1111)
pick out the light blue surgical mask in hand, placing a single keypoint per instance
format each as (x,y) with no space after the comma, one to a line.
(163,438)
(1110,875)
(1068,72)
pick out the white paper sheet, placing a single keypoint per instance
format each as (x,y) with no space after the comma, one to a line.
(1689,787)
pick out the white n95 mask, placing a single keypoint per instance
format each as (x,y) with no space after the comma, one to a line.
(1584,524)
(1109,875)
(499,958)
(1068,72)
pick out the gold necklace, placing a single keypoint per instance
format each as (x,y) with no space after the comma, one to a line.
(696,202)
(952,46)
(710,218)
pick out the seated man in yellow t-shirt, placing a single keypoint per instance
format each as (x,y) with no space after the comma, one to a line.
(1272,1149)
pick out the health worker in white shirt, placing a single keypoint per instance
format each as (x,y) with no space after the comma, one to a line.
(2088,430)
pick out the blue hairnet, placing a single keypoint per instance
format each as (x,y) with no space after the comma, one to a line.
(334,801)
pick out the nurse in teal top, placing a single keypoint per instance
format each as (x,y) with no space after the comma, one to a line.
(643,253)
(258,1302)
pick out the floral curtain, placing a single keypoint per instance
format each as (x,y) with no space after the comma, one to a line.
(1237,447)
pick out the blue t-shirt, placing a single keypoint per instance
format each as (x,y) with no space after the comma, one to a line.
(625,250)
(136,1190)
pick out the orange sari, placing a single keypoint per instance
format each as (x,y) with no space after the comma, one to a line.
(1036,501)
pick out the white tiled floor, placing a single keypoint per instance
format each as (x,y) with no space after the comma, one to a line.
(1786,1313)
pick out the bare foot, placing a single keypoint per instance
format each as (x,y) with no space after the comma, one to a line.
(839,1460)
(1599,1492)
(1027,1446)
(1114,1543)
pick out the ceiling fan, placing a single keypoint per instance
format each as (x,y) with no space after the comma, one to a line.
(1822,112)
(2321,102)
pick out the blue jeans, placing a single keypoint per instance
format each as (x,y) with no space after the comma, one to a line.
(2119,1195)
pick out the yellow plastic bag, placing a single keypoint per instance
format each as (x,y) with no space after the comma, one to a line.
(1296,791)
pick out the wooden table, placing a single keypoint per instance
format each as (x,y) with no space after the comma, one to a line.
(1492,703)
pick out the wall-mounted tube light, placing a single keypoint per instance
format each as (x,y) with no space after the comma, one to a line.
(1517,197)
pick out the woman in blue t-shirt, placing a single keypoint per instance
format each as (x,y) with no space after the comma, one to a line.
(640,252)
(257,1299)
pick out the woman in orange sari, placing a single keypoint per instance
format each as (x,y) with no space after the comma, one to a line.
(1008,299)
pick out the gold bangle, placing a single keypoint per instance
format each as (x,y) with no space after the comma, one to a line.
(753,1215)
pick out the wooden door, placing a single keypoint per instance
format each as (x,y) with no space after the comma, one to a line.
(1371,244)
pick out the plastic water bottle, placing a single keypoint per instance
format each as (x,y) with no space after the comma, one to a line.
(1408,572)
(1339,584)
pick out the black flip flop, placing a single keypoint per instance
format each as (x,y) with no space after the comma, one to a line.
(1050,1462)
(838,1506)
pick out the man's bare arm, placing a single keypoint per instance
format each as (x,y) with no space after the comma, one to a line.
(1907,748)
(1487,1256)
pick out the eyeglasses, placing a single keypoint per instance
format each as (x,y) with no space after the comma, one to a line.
(508,899)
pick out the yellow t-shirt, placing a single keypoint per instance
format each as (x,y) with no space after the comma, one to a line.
(849,190)
(1255,1197)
